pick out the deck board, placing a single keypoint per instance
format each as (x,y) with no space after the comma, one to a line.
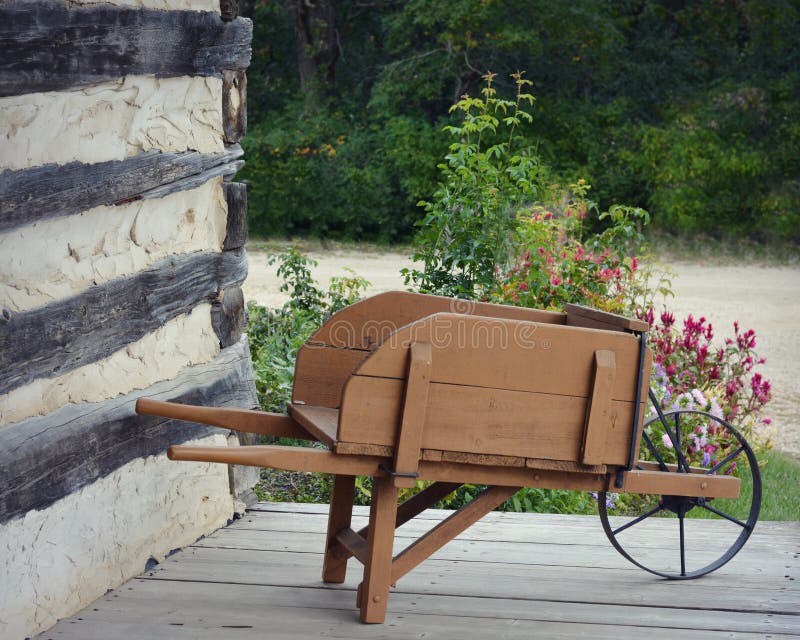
(509,576)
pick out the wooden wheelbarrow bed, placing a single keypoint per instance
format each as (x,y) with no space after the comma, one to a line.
(405,387)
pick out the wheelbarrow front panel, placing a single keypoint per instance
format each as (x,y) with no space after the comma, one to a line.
(498,387)
(369,322)
(329,356)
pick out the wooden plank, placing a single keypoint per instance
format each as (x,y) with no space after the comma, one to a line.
(243,420)
(319,421)
(441,534)
(236,230)
(564,465)
(766,594)
(510,354)
(481,421)
(46,458)
(182,606)
(578,314)
(52,191)
(680,484)
(62,336)
(234,105)
(561,546)
(483,459)
(321,372)
(46,44)
(412,422)
(229,316)
(598,411)
(370,321)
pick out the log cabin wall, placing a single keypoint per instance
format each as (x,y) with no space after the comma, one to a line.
(121,255)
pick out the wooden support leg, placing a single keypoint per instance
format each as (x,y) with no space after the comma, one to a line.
(374,590)
(341,511)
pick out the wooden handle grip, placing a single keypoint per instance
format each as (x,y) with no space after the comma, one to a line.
(261,422)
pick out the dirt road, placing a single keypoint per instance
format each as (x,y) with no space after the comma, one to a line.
(764,298)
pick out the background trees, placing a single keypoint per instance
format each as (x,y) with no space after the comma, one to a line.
(686,109)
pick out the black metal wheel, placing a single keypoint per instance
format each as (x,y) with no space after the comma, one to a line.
(682,537)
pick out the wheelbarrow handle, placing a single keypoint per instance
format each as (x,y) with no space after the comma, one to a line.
(261,422)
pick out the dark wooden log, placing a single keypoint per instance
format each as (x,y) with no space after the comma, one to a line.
(48,341)
(228,316)
(46,458)
(51,191)
(236,197)
(48,45)
(229,9)
(234,105)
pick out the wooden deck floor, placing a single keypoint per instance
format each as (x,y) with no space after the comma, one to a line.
(509,576)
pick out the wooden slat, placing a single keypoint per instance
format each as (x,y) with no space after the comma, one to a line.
(236,228)
(481,421)
(61,336)
(483,459)
(229,316)
(355,544)
(234,105)
(510,354)
(448,529)
(52,191)
(564,465)
(412,422)
(370,321)
(582,316)
(46,48)
(680,484)
(321,372)
(46,458)
(319,421)
(598,413)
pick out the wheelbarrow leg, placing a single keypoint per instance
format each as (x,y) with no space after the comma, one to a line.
(374,590)
(341,511)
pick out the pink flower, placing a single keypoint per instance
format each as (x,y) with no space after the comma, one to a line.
(667,442)
(523,286)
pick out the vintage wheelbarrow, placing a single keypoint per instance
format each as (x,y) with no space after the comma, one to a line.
(405,387)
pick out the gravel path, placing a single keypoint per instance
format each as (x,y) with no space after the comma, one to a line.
(764,298)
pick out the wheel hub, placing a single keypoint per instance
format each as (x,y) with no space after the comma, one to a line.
(679,505)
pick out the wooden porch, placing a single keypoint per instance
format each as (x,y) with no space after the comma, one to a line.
(508,576)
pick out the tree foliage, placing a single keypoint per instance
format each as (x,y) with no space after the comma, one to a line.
(685,109)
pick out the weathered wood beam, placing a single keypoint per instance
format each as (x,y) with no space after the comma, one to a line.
(46,458)
(236,198)
(48,341)
(234,105)
(51,191)
(229,316)
(48,45)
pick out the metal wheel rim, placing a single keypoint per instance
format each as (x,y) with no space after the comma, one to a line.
(736,545)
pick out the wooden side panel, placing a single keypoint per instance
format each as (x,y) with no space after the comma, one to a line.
(482,421)
(369,322)
(510,354)
(321,372)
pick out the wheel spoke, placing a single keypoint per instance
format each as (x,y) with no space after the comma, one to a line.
(722,514)
(678,446)
(653,511)
(683,546)
(675,441)
(661,464)
(725,461)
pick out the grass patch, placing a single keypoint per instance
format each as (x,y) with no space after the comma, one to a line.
(780,475)
(322,245)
